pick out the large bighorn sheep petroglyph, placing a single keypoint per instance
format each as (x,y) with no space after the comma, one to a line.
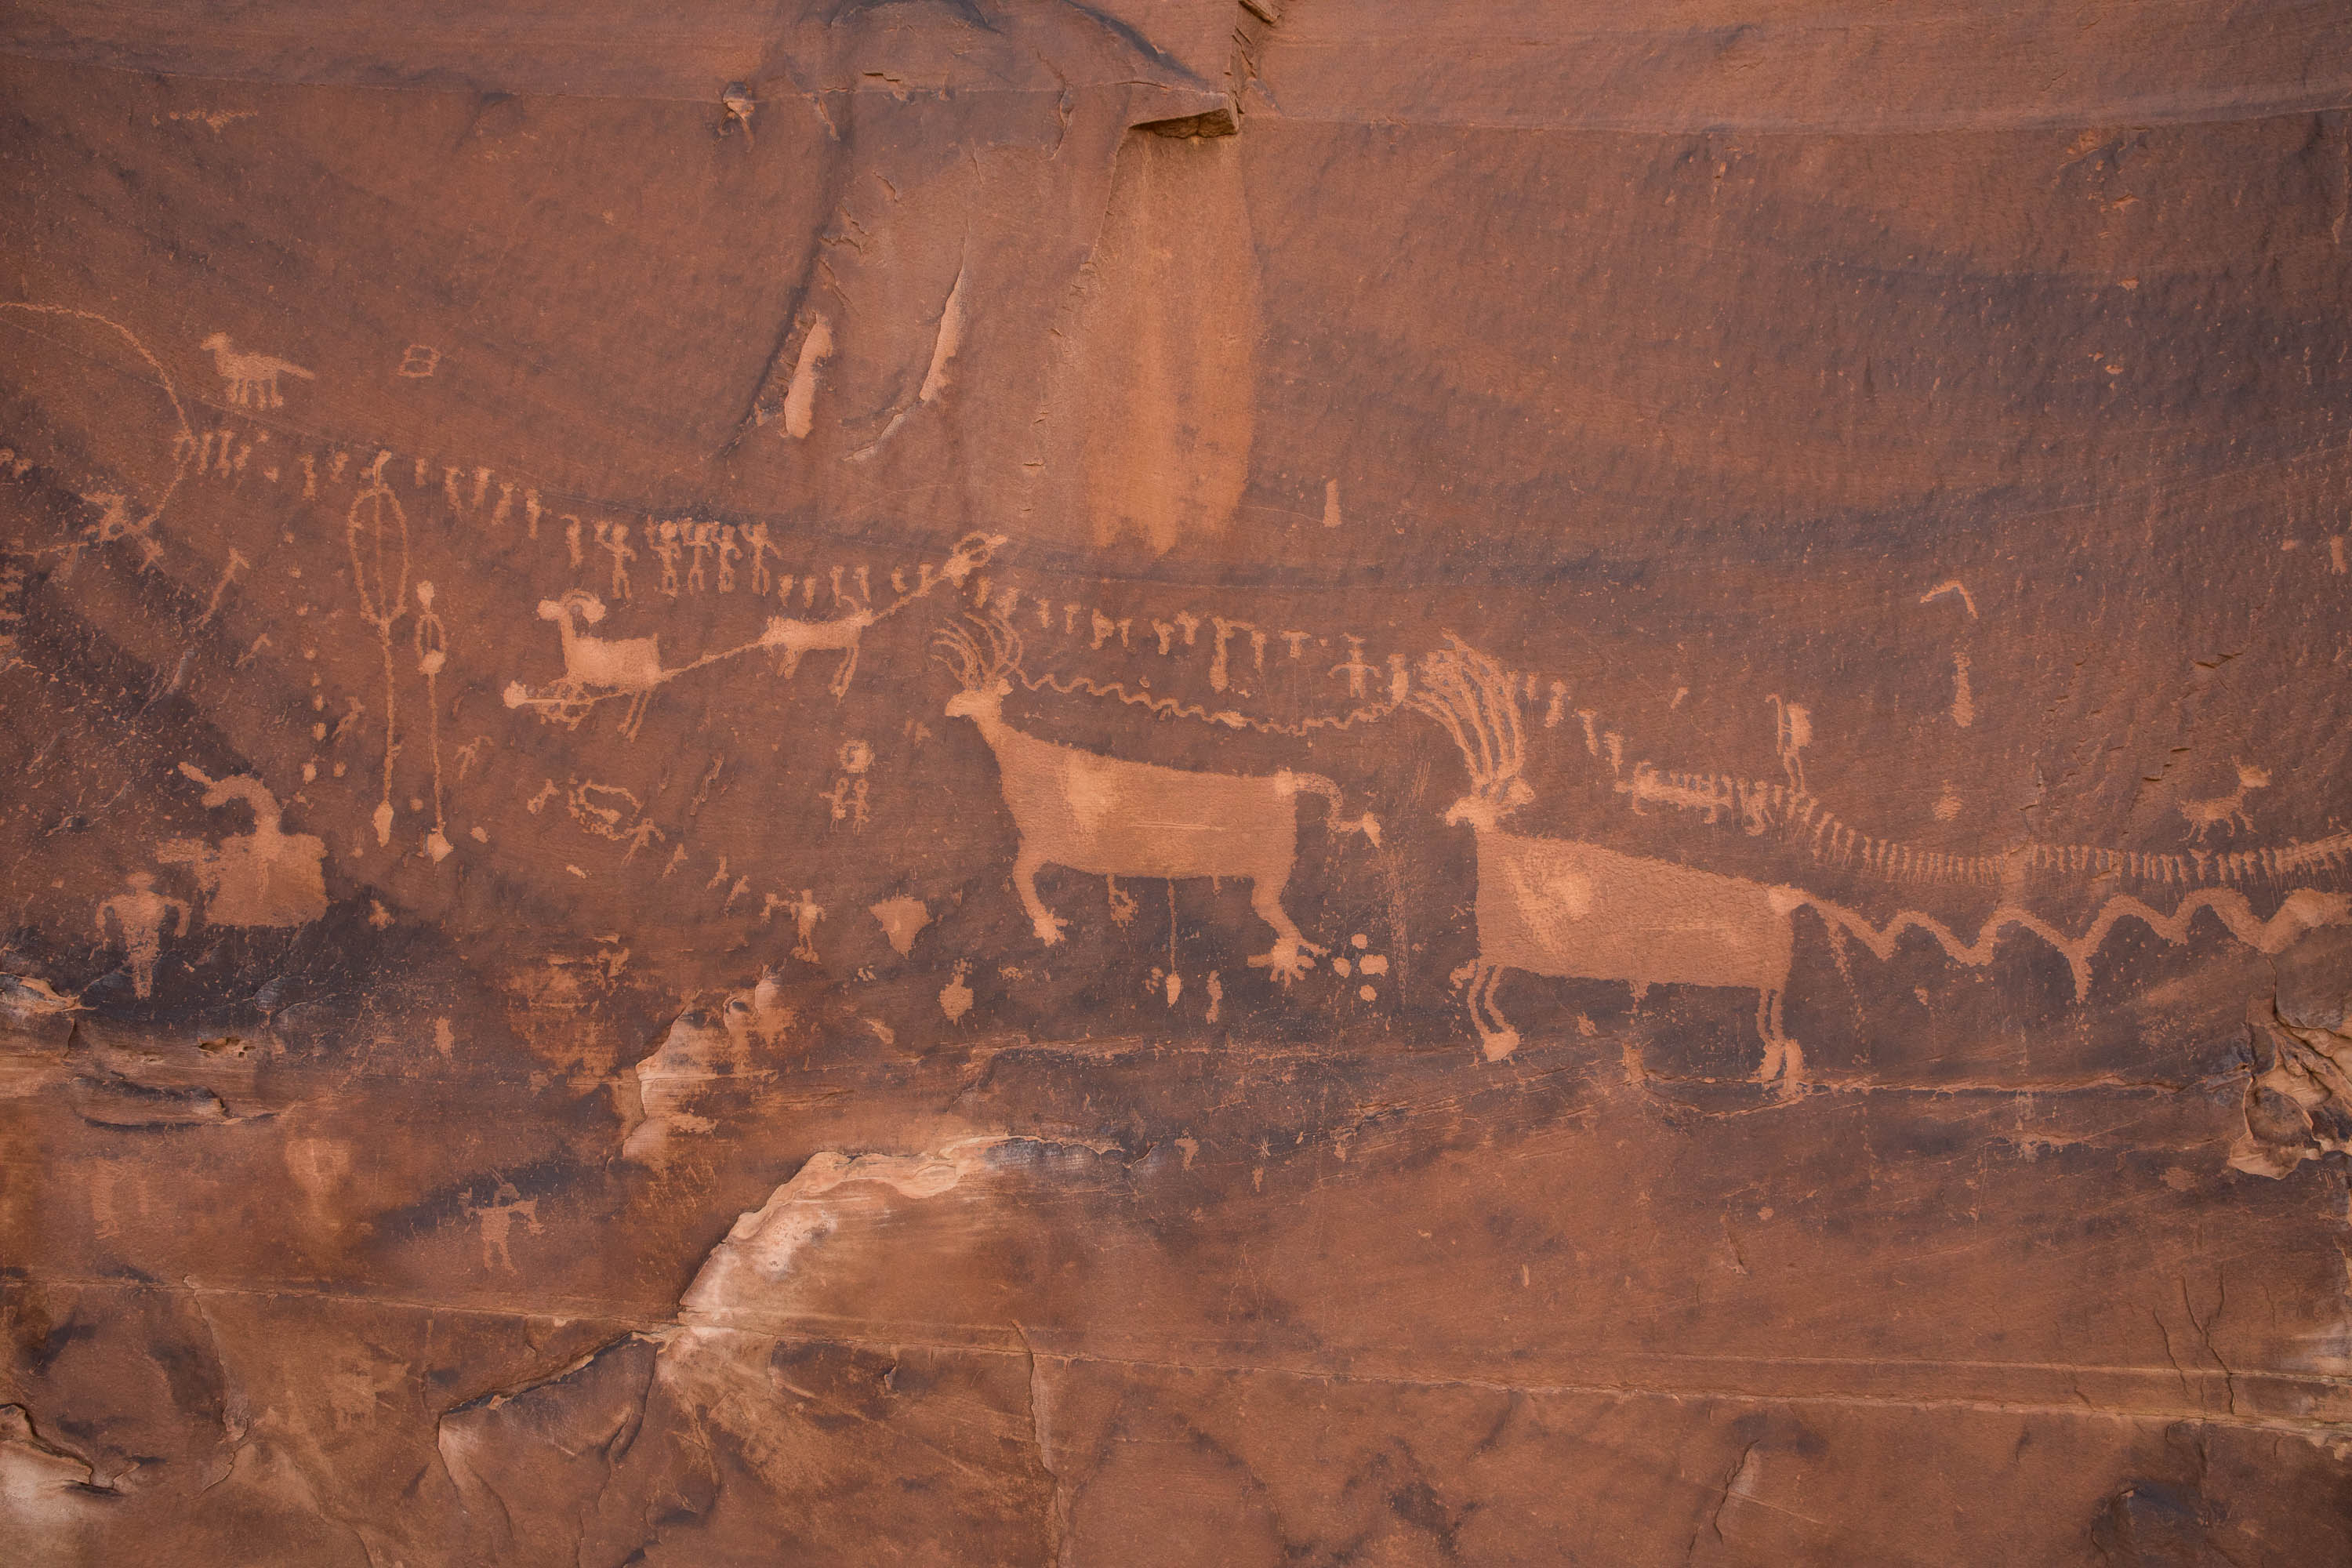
(1559,907)
(1118,819)
(1572,910)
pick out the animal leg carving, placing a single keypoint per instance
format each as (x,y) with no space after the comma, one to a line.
(841,676)
(1783,1058)
(1292,955)
(1500,1040)
(1025,866)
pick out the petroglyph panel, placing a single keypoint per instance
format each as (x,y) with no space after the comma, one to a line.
(1175,783)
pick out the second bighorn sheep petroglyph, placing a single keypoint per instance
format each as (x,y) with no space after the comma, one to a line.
(842,633)
(1118,819)
(1559,907)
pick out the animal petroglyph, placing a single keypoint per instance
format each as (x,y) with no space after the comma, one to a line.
(594,666)
(792,639)
(1119,818)
(1577,910)
(143,918)
(597,670)
(2224,811)
(250,381)
(266,877)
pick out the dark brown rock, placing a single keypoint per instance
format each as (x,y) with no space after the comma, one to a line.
(1178,783)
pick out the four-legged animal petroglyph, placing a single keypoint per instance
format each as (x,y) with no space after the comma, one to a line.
(594,667)
(1119,818)
(2224,810)
(251,380)
(797,637)
(1559,907)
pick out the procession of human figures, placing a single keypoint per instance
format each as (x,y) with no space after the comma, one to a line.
(1545,906)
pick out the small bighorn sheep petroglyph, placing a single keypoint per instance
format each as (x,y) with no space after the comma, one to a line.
(2224,810)
(251,379)
(592,665)
(1559,907)
(841,633)
(1118,819)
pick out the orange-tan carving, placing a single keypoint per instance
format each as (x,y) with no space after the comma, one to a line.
(251,380)
(2226,811)
(1576,910)
(1557,907)
(265,878)
(1117,818)
(594,667)
(841,635)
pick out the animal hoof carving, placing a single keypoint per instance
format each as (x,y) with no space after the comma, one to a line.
(1287,961)
(1785,1062)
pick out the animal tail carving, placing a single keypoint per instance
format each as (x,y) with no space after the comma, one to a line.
(2299,911)
(1315,784)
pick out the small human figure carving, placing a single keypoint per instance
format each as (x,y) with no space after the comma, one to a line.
(729,554)
(665,551)
(697,540)
(756,536)
(497,1218)
(144,917)
(1793,731)
(806,912)
(617,545)
(251,379)
(1355,668)
(849,792)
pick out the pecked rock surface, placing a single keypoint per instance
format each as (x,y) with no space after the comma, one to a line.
(1175,783)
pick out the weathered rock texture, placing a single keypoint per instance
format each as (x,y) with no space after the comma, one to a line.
(1162,782)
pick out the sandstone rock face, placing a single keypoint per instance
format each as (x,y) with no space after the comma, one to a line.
(1175,782)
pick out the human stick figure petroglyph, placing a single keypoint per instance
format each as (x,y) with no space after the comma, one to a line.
(251,380)
(144,917)
(1118,819)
